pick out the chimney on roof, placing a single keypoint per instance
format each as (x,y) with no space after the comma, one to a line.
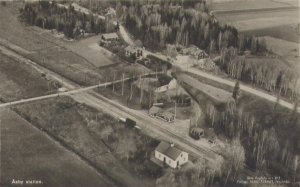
(172,144)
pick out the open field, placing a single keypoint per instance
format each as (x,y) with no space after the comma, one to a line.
(228,5)
(289,33)
(20,81)
(27,154)
(97,137)
(15,32)
(259,19)
(287,50)
(90,50)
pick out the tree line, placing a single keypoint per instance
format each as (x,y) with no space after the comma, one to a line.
(270,73)
(61,17)
(266,142)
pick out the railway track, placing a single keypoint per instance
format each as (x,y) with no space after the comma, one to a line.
(92,97)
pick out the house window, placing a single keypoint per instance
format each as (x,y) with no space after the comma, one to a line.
(181,154)
(169,161)
(159,155)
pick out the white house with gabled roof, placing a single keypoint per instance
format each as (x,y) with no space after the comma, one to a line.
(171,155)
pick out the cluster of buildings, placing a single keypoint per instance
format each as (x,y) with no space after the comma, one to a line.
(191,54)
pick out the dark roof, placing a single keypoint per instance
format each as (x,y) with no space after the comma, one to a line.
(110,36)
(166,149)
(197,130)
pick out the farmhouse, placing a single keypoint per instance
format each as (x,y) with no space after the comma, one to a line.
(172,85)
(194,52)
(110,37)
(170,155)
(133,50)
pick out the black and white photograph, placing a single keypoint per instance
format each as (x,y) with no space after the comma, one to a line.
(149,93)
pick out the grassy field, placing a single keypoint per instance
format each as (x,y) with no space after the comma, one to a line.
(27,154)
(113,148)
(90,50)
(286,32)
(253,20)
(227,5)
(12,30)
(19,81)
(287,50)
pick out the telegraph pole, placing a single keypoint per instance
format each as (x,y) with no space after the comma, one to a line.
(175,112)
(114,82)
(122,84)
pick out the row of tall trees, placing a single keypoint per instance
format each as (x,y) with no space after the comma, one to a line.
(270,73)
(63,18)
(162,22)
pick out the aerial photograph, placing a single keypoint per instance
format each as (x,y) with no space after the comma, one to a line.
(150,93)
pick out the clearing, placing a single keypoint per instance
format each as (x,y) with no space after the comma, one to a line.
(229,5)
(89,49)
(20,81)
(287,50)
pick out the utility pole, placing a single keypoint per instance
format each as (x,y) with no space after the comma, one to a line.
(122,84)
(175,112)
(142,93)
(130,92)
(150,97)
(114,82)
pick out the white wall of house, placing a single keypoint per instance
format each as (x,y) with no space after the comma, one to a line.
(182,159)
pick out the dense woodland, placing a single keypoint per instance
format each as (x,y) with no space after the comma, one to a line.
(63,18)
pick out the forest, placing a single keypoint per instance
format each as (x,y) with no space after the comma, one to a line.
(63,18)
